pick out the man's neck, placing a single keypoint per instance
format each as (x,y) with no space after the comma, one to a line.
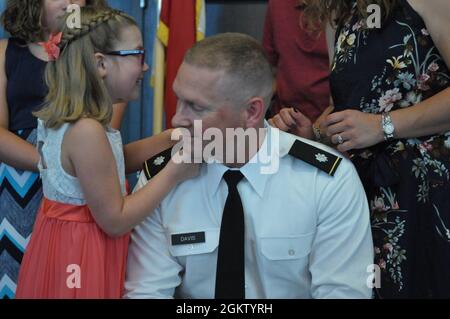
(246,149)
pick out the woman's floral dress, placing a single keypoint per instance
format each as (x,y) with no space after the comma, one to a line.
(407,180)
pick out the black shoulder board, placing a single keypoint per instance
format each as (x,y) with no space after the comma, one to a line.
(155,164)
(317,157)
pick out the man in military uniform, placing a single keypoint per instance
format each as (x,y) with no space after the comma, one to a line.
(219,235)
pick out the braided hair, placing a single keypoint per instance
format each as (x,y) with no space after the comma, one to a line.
(23,18)
(76,89)
(72,34)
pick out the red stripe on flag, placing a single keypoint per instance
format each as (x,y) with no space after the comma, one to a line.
(179,17)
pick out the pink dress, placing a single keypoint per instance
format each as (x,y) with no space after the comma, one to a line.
(69,256)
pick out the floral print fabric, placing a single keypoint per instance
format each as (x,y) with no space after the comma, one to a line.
(406,181)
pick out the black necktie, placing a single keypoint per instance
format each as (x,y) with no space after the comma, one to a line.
(230,275)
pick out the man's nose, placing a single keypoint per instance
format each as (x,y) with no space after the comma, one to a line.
(181,120)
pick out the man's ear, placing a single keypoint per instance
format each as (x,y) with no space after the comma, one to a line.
(254,112)
(101,64)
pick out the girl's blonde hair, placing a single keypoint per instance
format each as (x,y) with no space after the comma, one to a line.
(75,87)
(337,12)
(23,18)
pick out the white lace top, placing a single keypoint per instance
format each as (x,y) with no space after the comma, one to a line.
(57,184)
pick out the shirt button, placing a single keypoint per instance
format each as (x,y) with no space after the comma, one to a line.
(291,252)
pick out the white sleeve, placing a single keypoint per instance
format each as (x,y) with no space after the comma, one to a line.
(342,249)
(152,272)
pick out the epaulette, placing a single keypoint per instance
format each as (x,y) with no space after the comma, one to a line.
(155,164)
(316,157)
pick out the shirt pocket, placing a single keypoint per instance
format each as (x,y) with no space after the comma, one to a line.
(284,263)
(286,247)
(188,249)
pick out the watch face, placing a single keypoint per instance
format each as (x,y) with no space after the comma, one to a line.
(389,128)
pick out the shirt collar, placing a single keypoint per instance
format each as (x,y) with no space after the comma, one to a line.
(252,170)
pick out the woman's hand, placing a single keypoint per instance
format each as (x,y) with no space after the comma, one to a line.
(352,129)
(293,121)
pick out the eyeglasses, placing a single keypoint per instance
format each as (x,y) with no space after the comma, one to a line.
(140,52)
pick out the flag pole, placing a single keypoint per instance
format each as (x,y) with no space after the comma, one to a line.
(158,79)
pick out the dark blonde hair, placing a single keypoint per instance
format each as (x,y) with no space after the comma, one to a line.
(337,12)
(23,18)
(242,59)
(75,87)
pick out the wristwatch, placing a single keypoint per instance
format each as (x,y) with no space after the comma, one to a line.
(388,126)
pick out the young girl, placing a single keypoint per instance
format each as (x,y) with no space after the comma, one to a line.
(22,91)
(79,244)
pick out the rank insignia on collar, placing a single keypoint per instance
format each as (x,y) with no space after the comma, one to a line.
(155,164)
(159,161)
(321,158)
(316,157)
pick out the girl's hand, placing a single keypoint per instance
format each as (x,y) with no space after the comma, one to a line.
(185,163)
(168,135)
(352,129)
(293,121)
(182,171)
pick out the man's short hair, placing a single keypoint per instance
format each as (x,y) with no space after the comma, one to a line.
(242,58)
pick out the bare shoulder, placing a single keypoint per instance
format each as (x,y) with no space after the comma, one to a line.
(86,131)
(431,10)
(435,15)
(85,144)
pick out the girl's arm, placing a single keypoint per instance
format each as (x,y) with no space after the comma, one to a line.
(138,152)
(90,159)
(293,121)
(13,150)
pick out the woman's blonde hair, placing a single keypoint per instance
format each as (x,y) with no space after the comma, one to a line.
(337,12)
(23,18)
(75,87)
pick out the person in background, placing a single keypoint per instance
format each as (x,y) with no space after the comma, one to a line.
(390,85)
(301,60)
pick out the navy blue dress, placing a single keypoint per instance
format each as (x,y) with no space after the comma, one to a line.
(406,180)
(20,191)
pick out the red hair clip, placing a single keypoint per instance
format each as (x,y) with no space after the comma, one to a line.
(51,46)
